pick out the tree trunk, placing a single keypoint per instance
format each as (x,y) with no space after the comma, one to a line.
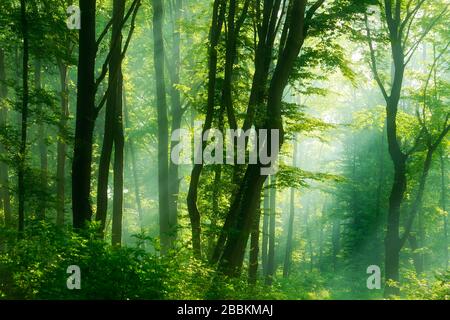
(265,230)
(62,146)
(119,142)
(336,241)
(177,112)
(132,153)
(272,225)
(24,118)
(444,208)
(4,175)
(288,254)
(112,112)
(163,130)
(254,250)
(85,118)
(194,214)
(245,203)
(42,148)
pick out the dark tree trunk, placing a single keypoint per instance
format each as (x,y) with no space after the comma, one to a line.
(62,146)
(272,224)
(24,120)
(254,250)
(112,112)
(4,175)
(119,142)
(85,118)
(265,230)
(163,129)
(42,148)
(194,214)
(245,203)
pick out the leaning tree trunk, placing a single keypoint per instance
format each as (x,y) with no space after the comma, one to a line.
(85,118)
(247,198)
(194,214)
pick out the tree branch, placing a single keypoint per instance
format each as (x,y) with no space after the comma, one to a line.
(374,60)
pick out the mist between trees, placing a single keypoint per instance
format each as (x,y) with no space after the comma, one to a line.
(224,149)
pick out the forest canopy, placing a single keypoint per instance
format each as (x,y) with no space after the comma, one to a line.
(224,149)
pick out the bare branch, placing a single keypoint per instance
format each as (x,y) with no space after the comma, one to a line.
(114,44)
(409,54)
(373,59)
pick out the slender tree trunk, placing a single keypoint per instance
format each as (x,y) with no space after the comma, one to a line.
(194,214)
(163,129)
(62,146)
(177,112)
(254,250)
(42,148)
(265,230)
(4,175)
(336,241)
(392,241)
(132,153)
(245,203)
(85,118)
(113,104)
(444,208)
(24,119)
(272,224)
(119,142)
(288,254)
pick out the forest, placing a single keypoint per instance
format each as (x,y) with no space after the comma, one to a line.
(224,149)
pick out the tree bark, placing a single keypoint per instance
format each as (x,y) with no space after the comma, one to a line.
(272,224)
(132,153)
(288,254)
(112,112)
(177,113)
(163,129)
(42,148)
(62,146)
(254,250)
(194,214)
(245,203)
(265,230)
(4,170)
(24,118)
(85,118)
(119,143)
(444,208)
